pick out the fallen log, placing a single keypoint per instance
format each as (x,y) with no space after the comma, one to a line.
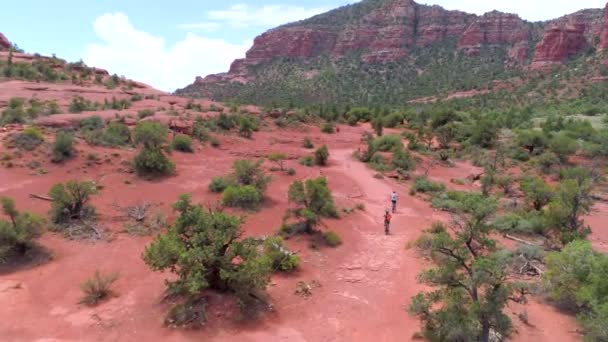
(40,197)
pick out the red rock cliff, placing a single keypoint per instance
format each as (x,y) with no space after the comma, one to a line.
(388,30)
(4,43)
(604,34)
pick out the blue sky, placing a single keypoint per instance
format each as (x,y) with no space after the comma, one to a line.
(168,43)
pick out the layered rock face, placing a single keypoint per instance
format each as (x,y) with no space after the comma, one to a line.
(558,44)
(604,34)
(496,28)
(4,43)
(383,31)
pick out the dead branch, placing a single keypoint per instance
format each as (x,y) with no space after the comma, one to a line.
(137,212)
(520,240)
(40,197)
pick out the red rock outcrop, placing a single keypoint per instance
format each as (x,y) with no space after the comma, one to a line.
(496,28)
(604,34)
(558,44)
(5,44)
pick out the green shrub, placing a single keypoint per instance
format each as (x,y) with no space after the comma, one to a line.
(387,143)
(402,160)
(246,127)
(307,161)
(219,184)
(392,120)
(321,156)
(150,134)
(200,249)
(15,113)
(563,146)
(16,235)
(245,197)
(328,128)
(116,134)
(279,159)
(250,173)
(97,288)
(214,141)
(144,113)
(153,162)
(546,161)
(332,238)
(281,258)
(63,148)
(307,143)
(199,130)
(290,171)
(182,143)
(92,123)
(225,121)
(424,185)
(313,200)
(576,279)
(80,104)
(70,201)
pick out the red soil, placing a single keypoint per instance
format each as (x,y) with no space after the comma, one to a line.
(366,283)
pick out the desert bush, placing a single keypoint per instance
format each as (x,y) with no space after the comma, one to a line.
(204,249)
(290,171)
(307,161)
(144,113)
(321,156)
(250,173)
(150,134)
(527,223)
(245,197)
(153,162)
(92,123)
(63,147)
(15,113)
(80,104)
(219,184)
(182,143)
(246,127)
(17,234)
(214,141)
(571,201)
(387,143)
(332,239)
(392,120)
(225,121)
(279,159)
(116,134)
(97,288)
(29,139)
(547,161)
(575,279)
(281,258)
(70,201)
(424,185)
(313,200)
(378,125)
(328,128)
(199,130)
(307,143)
(536,192)
(563,146)
(402,160)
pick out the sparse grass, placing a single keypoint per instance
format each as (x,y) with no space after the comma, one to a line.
(97,288)
(332,239)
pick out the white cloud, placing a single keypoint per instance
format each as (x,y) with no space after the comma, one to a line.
(147,58)
(244,16)
(207,26)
